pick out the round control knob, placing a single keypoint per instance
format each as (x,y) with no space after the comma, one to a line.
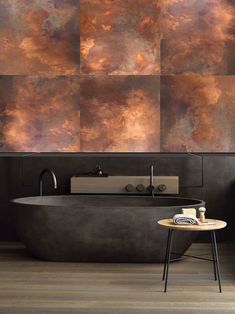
(129,188)
(140,188)
(161,187)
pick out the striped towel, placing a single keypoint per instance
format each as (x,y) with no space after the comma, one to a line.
(182,219)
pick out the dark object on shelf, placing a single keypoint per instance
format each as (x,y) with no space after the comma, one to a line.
(97,173)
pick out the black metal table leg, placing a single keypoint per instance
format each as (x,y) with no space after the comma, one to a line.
(168,258)
(165,260)
(216,259)
(213,255)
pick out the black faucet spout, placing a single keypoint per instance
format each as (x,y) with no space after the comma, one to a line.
(41,179)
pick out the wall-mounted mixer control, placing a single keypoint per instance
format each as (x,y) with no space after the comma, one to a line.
(130,188)
(161,187)
(140,188)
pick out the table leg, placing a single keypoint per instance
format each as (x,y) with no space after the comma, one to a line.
(213,255)
(216,259)
(165,260)
(168,258)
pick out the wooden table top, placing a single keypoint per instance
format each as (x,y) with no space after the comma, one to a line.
(212,224)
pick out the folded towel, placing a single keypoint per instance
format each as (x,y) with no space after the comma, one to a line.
(182,219)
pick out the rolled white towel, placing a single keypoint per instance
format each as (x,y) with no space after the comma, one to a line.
(182,219)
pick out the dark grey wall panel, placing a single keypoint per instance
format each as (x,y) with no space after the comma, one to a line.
(6,227)
(219,190)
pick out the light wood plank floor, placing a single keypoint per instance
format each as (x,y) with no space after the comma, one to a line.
(29,286)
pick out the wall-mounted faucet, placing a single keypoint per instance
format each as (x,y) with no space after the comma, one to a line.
(151,185)
(41,178)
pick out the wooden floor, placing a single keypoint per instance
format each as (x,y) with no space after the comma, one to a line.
(31,286)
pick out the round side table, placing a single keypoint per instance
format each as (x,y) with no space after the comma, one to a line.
(212,225)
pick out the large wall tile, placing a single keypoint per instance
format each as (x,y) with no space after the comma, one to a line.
(120,37)
(39,114)
(39,37)
(198,113)
(121,60)
(198,37)
(120,114)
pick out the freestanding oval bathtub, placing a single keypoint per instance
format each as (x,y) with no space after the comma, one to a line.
(99,228)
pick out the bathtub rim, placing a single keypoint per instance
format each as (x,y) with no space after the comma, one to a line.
(20,201)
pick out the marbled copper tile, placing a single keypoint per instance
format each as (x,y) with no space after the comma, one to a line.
(120,37)
(39,114)
(39,37)
(120,114)
(198,37)
(198,113)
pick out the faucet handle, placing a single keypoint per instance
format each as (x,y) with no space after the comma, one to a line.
(161,187)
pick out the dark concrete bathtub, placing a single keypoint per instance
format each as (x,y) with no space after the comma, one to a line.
(99,228)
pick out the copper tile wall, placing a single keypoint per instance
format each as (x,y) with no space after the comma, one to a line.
(120,37)
(39,37)
(198,113)
(120,114)
(154,75)
(39,113)
(198,37)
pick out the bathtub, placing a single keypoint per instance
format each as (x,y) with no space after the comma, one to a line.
(99,228)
